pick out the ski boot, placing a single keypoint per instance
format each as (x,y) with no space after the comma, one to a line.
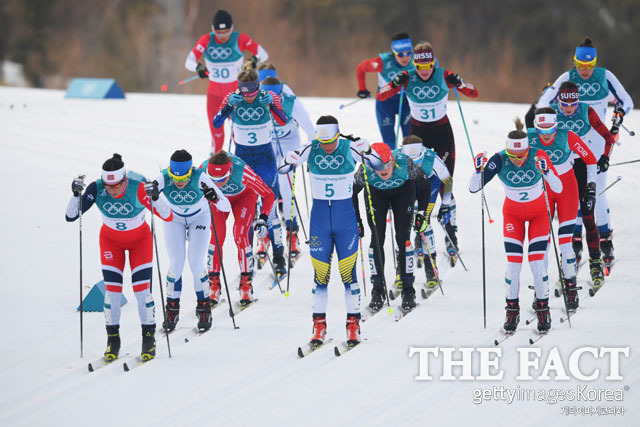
(261,252)
(418,250)
(246,289)
(595,268)
(215,288)
(295,242)
(377,294)
(408,295)
(353,329)
(576,242)
(172,312)
(280,265)
(606,246)
(431,273)
(319,329)
(148,342)
(571,290)
(544,318)
(203,313)
(113,343)
(513,316)
(452,244)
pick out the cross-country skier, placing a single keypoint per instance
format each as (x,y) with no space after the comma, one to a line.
(393,187)
(427,90)
(267,69)
(388,65)
(332,163)
(241,186)
(562,146)
(438,174)
(252,114)
(287,138)
(123,199)
(187,189)
(521,169)
(223,50)
(597,86)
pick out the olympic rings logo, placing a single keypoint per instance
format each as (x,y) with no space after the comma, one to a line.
(521,176)
(118,208)
(181,196)
(429,92)
(588,89)
(219,52)
(250,113)
(554,155)
(326,162)
(230,188)
(390,183)
(572,125)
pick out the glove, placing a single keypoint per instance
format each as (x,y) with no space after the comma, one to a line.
(589,198)
(362,146)
(479,161)
(603,163)
(360,227)
(254,61)
(209,193)
(77,186)
(234,99)
(444,214)
(266,98)
(400,79)
(202,71)
(542,165)
(364,94)
(291,158)
(151,188)
(454,79)
(260,226)
(420,223)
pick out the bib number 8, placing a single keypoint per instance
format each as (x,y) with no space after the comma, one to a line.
(121,226)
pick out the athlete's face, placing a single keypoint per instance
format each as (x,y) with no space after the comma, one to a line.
(386,173)
(182,184)
(117,190)
(221,184)
(568,110)
(402,60)
(547,139)
(223,36)
(517,162)
(250,99)
(425,74)
(330,148)
(585,73)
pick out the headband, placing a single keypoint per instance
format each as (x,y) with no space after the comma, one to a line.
(114,177)
(402,45)
(264,73)
(327,133)
(219,171)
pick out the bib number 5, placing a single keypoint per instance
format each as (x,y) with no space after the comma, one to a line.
(328,190)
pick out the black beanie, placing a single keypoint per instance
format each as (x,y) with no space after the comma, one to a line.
(114,163)
(222,20)
(181,156)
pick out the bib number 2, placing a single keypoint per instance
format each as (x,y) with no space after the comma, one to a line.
(524,196)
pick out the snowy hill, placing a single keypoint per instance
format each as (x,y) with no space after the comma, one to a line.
(252,376)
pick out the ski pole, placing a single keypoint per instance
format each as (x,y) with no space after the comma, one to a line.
(448,237)
(233,119)
(433,264)
(293,200)
(364,281)
(484,264)
(399,115)
(224,276)
(81,307)
(618,179)
(630,132)
(464,123)
(624,163)
(376,239)
(555,248)
(306,197)
(165,87)
(393,241)
(155,244)
(272,266)
(350,103)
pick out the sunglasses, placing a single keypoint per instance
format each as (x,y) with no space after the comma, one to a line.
(115,186)
(547,131)
(421,67)
(584,65)
(569,104)
(518,156)
(403,54)
(329,141)
(220,178)
(250,94)
(180,178)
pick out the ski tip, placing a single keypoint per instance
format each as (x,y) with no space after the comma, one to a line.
(186,340)
(286,294)
(336,351)
(491,221)
(531,341)
(496,343)
(390,310)
(90,367)
(300,353)
(125,367)
(163,88)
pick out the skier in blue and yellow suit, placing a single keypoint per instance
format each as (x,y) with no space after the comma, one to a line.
(332,163)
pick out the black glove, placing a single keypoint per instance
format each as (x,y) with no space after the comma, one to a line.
(454,79)
(444,214)
(209,193)
(260,226)
(603,163)
(151,188)
(400,79)
(420,223)
(360,228)
(254,61)
(589,199)
(364,94)
(202,71)
(77,186)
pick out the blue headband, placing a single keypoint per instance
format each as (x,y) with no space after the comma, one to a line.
(180,168)
(263,74)
(248,87)
(403,45)
(277,89)
(585,53)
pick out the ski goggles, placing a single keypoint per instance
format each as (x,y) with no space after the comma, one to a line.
(116,185)
(423,66)
(328,133)
(220,178)
(547,130)
(222,33)
(568,104)
(584,65)
(518,156)
(402,54)
(178,177)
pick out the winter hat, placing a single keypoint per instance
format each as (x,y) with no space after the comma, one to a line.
(423,55)
(222,21)
(113,171)
(382,150)
(568,93)
(180,165)
(586,54)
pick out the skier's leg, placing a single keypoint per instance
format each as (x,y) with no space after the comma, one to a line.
(199,237)
(538,232)
(386,116)
(321,250)
(243,213)
(112,258)
(220,218)
(141,262)
(175,241)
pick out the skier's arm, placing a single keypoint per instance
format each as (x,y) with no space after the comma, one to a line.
(88,198)
(300,155)
(466,88)
(549,95)
(358,185)
(367,66)
(360,149)
(192,59)
(245,43)
(254,183)
(301,116)
(160,207)
(597,124)
(389,90)
(530,116)
(445,177)
(491,169)
(552,175)
(578,146)
(222,203)
(619,92)
(277,111)
(417,175)
(223,113)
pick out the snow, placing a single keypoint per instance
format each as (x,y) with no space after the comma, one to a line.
(252,376)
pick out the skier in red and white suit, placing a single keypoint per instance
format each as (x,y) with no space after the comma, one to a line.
(223,51)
